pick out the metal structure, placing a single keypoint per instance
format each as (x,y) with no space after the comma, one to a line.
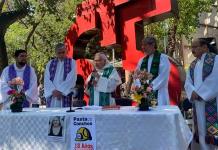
(117,23)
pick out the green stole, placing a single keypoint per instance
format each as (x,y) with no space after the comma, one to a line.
(154,67)
(210,106)
(104,98)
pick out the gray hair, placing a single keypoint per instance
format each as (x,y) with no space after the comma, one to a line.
(150,40)
(59,46)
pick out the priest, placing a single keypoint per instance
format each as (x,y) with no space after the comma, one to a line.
(102,82)
(19,69)
(59,79)
(201,88)
(158,65)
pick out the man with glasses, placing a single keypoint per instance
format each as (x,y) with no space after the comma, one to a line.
(201,88)
(102,82)
(24,71)
(60,78)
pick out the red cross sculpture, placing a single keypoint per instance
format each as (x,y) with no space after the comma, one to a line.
(119,22)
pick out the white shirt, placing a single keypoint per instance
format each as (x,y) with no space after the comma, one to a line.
(160,83)
(31,93)
(64,86)
(207,90)
(106,85)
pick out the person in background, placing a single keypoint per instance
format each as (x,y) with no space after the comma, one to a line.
(158,65)
(59,79)
(201,88)
(102,82)
(20,69)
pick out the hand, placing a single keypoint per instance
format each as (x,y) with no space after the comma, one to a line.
(149,89)
(57,94)
(94,83)
(195,96)
(136,75)
(96,75)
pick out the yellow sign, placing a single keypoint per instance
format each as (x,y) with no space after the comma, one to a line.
(83,134)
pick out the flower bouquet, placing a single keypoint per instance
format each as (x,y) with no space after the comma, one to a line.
(142,91)
(16,94)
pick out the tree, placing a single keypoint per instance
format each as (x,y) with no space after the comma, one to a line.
(7,18)
(184,24)
(39,32)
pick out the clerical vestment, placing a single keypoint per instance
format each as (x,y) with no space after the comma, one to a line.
(28,74)
(202,78)
(161,75)
(107,83)
(61,76)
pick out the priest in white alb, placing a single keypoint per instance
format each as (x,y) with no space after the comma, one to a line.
(202,90)
(158,65)
(24,71)
(60,79)
(102,82)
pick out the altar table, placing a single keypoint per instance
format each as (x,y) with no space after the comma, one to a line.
(161,128)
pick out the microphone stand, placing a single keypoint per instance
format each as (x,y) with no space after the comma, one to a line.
(70,95)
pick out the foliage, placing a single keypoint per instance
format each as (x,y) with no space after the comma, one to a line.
(189,11)
(186,22)
(44,27)
(49,20)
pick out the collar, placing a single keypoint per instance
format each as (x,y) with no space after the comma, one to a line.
(19,69)
(202,57)
(106,66)
(149,56)
(59,60)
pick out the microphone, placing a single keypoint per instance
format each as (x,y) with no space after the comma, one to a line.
(94,77)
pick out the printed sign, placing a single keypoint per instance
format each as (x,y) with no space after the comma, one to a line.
(56,128)
(83,132)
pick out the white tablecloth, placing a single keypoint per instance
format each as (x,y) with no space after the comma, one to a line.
(162,128)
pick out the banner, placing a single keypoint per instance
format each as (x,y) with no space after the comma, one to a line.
(83,132)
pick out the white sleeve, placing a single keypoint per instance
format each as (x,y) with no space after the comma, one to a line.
(4,85)
(32,92)
(86,84)
(189,86)
(1,100)
(109,85)
(164,71)
(208,89)
(67,86)
(48,85)
(139,64)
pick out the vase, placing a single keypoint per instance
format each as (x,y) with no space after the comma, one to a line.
(144,105)
(16,107)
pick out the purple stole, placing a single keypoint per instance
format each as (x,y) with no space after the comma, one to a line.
(52,71)
(26,77)
(210,106)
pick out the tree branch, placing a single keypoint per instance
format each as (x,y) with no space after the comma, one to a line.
(8,18)
(1,5)
(31,34)
(43,37)
(33,43)
(33,30)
